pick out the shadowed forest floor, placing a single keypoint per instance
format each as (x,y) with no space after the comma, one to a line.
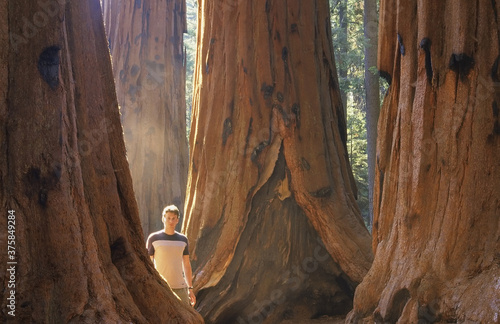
(322,320)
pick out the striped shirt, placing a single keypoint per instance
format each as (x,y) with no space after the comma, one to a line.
(168,252)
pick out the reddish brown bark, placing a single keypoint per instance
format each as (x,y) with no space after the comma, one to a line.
(271,204)
(436,228)
(78,240)
(146,44)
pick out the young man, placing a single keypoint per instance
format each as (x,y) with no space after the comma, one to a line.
(169,252)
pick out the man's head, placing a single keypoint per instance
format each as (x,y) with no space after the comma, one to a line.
(171,209)
(170,216)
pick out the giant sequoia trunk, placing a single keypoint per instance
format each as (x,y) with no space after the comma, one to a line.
(436,227)
(270,207)
(79,249)
(146,45)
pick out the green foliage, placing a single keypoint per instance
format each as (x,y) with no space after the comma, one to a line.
(349,46)
(356,145)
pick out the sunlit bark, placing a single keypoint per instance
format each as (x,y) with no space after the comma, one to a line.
(270,204)
(79,248)
(437,207)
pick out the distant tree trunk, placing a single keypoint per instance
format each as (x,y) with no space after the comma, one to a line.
(79,250)
(146,42)
(270,206)
(372,91)
(436,225)
(344,45)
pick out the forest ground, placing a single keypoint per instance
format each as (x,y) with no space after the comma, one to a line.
(322,320)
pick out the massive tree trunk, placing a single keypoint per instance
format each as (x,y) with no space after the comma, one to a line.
(436,228)
(146,42)
(270,206)
(64,179)
(372,93)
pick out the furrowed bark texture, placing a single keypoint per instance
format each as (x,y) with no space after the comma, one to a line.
(270,203)
(78,241)
(146,44)
(436,228)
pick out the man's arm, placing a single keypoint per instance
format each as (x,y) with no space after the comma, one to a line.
(149,247)
(188,272)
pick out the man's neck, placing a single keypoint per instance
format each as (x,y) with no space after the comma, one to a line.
(169,231)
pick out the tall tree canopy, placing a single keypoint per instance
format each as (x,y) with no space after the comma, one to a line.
(146,44)
(270,206)
(437,200)
(79,248)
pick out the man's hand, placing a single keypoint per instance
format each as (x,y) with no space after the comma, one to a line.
(192,297)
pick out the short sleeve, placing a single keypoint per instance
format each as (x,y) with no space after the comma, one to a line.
(186,249)
(149,246)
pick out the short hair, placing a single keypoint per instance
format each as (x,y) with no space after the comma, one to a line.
(171,209)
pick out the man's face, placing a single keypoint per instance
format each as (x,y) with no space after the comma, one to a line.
(170,219)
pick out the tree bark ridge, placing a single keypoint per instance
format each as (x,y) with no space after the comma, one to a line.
(271,140)
(79,247)
(436,227)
